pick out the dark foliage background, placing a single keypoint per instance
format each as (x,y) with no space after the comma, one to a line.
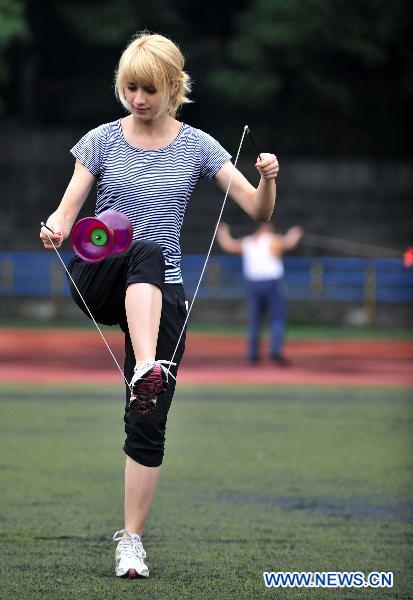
(315,78)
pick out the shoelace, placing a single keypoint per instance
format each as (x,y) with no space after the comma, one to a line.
(131,545)
(148,364)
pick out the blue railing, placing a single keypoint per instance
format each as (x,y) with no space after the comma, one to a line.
(40,274)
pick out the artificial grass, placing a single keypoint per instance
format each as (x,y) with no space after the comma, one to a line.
(289,479)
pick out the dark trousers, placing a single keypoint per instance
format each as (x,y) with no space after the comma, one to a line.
(266,298)
(103,286)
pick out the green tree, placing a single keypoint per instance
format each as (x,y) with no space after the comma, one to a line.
(12,27)
(348,64)
(112,23)
(320,43)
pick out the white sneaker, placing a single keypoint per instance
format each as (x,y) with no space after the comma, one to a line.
(129,555)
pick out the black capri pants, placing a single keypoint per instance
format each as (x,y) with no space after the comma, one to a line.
(103,286)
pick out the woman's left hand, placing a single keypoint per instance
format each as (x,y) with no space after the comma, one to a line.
(268,166)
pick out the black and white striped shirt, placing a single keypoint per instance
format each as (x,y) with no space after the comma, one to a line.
(151,187)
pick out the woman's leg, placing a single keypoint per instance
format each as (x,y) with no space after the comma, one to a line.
(140,487)
(143,304)
(142,309)
(139,309)
(145,434)
(143,298)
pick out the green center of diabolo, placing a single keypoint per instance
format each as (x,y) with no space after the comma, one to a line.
(99,237)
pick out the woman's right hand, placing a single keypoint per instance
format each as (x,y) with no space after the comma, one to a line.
(47,236)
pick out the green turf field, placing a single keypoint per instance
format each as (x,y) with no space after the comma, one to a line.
(257,480)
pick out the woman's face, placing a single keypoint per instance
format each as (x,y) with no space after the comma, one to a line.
(146,102)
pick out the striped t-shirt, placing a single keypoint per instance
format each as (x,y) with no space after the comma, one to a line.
(151,187)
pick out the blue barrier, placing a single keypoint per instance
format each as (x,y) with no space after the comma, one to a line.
(382,280)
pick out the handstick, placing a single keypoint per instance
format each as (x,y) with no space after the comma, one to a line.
(248,130)
(47,227)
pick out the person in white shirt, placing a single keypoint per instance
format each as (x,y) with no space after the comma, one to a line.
(264,270)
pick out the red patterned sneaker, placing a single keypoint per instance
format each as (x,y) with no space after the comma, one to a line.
(149,381)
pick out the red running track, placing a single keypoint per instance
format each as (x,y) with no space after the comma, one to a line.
(80,356)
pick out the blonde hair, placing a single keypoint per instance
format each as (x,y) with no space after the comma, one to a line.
(154,60)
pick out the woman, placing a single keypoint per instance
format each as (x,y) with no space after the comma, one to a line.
(146,166)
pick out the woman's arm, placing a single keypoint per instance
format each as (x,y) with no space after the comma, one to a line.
(61,221)
(258,202)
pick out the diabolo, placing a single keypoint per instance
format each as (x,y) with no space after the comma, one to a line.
(95,238)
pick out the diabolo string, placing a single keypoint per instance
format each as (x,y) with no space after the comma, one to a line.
(245,130)
(87,308)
